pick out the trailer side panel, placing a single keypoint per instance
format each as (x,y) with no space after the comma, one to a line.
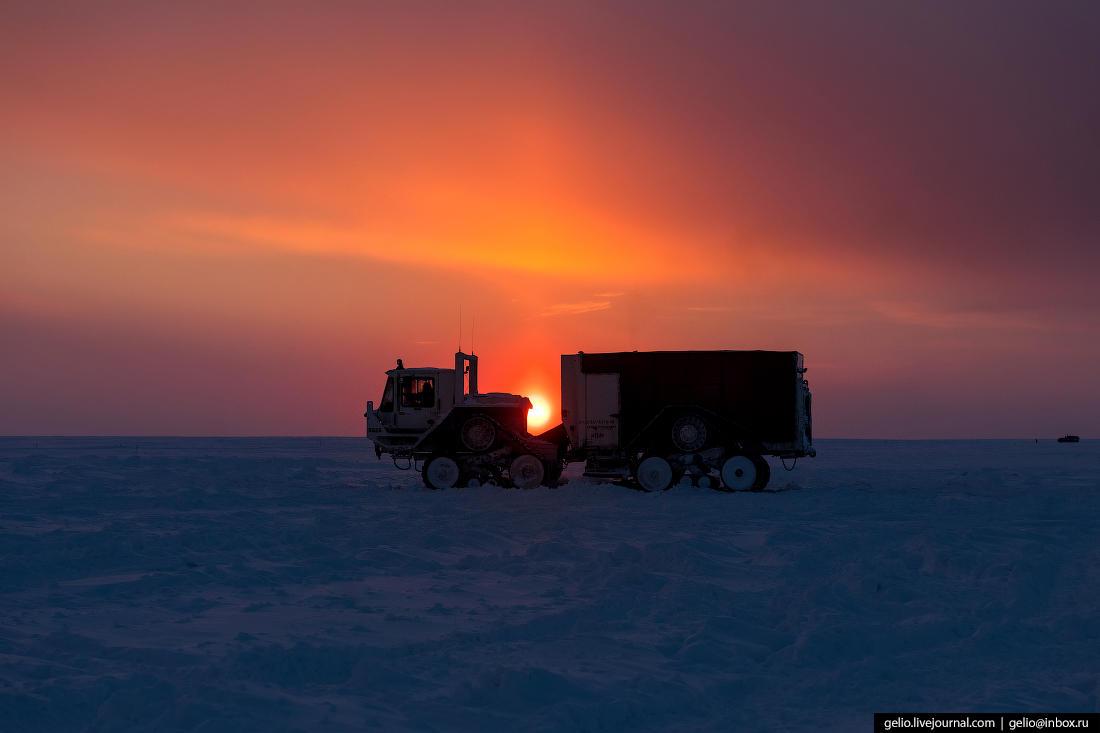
(756,389)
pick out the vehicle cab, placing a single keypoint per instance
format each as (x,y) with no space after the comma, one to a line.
(413,400)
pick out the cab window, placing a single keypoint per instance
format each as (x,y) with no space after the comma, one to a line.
(417,392)
(387,397)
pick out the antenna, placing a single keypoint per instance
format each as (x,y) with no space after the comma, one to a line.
(460,329)
(473,322)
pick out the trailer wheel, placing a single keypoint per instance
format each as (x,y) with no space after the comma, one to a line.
(526,472)
(654,474)
(478,434)
(745,473)
(440,472)
(739,473)
(763,473)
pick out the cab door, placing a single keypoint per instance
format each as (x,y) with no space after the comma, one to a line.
(387,408)
(417,407)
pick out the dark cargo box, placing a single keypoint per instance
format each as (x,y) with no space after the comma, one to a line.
(755,389)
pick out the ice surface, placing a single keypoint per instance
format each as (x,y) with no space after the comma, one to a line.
(265,584)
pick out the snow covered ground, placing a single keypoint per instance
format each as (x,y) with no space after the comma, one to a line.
(259,584)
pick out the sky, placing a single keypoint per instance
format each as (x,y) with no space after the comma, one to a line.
(231,219)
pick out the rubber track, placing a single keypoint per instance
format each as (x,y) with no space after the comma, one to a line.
(539,448)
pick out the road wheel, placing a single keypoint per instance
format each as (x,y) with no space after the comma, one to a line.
(686,480)
(440,472)
(494,477)
(478,433)
(654,474)
(739,473)
(526,472)
(470,480)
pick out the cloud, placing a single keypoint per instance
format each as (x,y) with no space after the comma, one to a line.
(929,316)
(572,309)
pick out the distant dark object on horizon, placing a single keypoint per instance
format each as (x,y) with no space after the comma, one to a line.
(1070,439)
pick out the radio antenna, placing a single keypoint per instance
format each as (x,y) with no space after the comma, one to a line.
(460,329)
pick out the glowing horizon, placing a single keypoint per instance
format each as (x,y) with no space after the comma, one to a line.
(232,221)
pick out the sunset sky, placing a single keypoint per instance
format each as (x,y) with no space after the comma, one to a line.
(232,218)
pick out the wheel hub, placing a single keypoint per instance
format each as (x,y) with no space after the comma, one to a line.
(478,433)
(689,433)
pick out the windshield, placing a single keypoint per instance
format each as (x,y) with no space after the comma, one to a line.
(387,397)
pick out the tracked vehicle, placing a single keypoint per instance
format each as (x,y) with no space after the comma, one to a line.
(702,418)
(436,418)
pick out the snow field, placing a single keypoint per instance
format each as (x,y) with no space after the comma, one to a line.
(297,584)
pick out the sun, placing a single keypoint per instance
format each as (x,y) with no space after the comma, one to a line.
(539,412)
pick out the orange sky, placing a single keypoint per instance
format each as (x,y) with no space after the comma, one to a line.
(232,220)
